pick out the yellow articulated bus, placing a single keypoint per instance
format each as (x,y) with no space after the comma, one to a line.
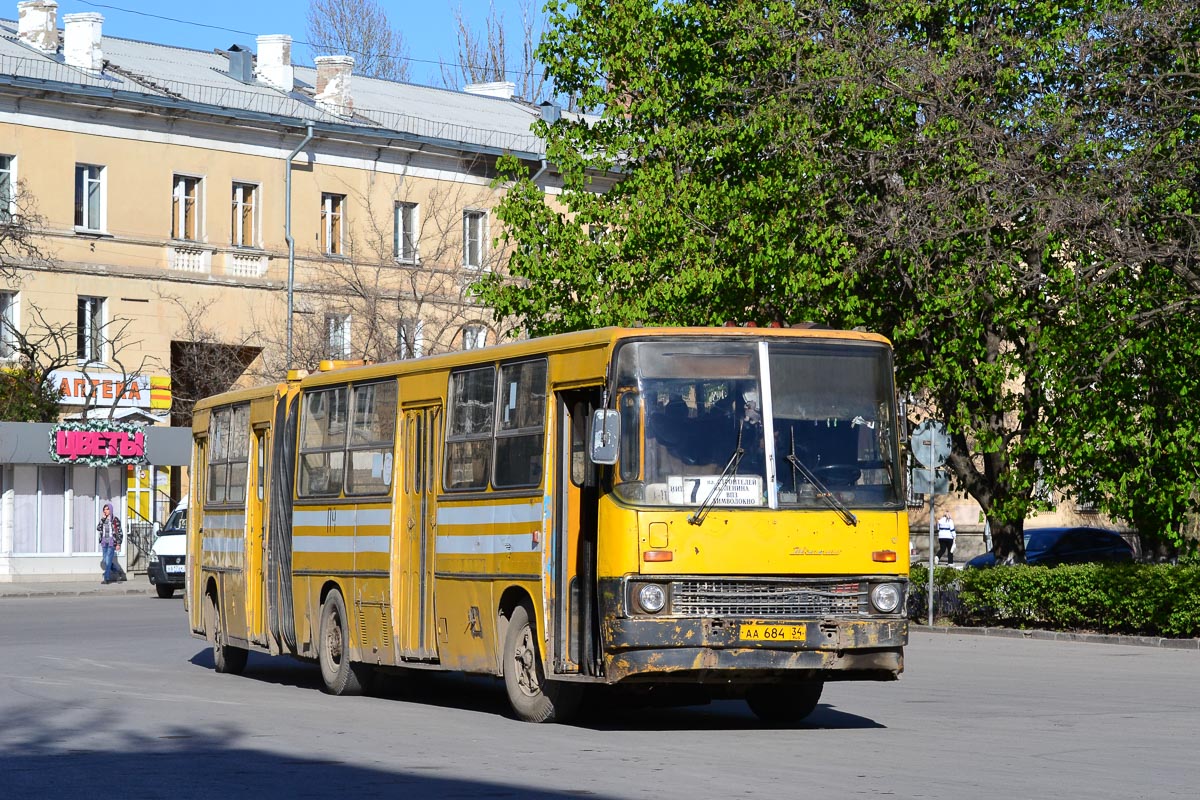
(714,511)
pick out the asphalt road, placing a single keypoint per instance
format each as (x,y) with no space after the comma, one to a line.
(109,697)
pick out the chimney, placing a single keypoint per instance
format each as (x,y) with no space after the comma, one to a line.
(241,63)
(501,89)
(37,24)
(551,112)
(81,41)
(333,84)
(275,61)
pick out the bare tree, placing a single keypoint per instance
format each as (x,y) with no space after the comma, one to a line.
(45,346)
(204,361)
(19,224)
(361,29)
(399,304)
(483,54)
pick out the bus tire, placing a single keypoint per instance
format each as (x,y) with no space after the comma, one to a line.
(341,675)
(786,704)
(226,657)
(532,697)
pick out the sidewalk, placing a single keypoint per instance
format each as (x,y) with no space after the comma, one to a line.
(69,586)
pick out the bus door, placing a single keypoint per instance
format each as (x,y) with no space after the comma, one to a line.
(257,516)
(576,489)
(412,573)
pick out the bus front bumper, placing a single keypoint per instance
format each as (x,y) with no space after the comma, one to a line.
(714,650)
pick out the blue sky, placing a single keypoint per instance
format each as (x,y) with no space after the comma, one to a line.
(427,25)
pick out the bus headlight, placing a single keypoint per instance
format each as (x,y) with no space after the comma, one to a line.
(652,598)
(886,597)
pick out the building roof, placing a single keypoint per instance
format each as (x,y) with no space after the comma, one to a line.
(168,76)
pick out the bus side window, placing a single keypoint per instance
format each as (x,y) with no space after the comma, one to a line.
(631,434)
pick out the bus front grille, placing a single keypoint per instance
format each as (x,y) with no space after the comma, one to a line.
(719,598)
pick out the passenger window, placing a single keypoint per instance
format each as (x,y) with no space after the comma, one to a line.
(322,442)
(520,429)
(469,438)
(372,438)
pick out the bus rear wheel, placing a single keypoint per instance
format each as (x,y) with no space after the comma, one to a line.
(786,704)
(532,697)
(341,675)
(226,657)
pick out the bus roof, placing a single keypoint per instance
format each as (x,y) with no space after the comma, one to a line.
(578,340)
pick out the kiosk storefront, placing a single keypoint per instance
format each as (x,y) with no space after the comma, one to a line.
(55,479)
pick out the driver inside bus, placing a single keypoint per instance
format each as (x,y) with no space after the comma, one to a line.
(680,446)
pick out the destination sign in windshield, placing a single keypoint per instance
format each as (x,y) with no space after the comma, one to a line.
(736,490)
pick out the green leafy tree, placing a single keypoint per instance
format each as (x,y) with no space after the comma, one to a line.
(26,397)
(1006,189)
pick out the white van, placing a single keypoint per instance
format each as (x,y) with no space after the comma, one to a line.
(169,553)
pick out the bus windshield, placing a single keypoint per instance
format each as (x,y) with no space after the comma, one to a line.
(697,428)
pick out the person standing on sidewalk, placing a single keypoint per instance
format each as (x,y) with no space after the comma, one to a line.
(109,529)
(946,535)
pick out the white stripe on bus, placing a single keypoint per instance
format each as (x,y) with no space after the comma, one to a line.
(341,544)
(510,514)
(486,544)
(343,517)
(222,544)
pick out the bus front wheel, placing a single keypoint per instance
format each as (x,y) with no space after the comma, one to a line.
(783,705)
(533,698)
(226,657)
(340,674)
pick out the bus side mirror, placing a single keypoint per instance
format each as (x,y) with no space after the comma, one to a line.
(605,436)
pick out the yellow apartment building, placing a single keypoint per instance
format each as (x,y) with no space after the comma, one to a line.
(213,217)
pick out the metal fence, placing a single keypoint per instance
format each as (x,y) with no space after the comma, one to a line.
(138,539)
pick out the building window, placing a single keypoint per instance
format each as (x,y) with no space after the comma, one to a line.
(8,183)
(332,217)
(8,325)
(406,232)
(89,332)
(474,337)
(89,197)
(337,334)
(245,232)
(412,338)
(185,208)
(474,223)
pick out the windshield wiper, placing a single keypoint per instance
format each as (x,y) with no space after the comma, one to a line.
(822,490)
(697,517)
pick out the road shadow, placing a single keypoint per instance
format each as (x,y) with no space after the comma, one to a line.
(45,756)
(603,710)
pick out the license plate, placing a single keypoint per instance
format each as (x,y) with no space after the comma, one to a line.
(174,567)
(757,632)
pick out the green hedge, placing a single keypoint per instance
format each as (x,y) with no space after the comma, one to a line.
(1139,599)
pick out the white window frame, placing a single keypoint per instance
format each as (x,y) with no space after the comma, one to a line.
(330,217)
(474,241)
(417,326)
(8,186)
(239,204)
(10,320)
(85,178)
(337,336)
(474,337)
(91,350)
(181,199)
(406,233)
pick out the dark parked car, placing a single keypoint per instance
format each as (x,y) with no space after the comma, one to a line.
(1048,547)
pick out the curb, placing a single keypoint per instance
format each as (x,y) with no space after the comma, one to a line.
(60,592)
(1065,636)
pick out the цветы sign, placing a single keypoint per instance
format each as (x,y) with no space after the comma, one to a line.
(98,443)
